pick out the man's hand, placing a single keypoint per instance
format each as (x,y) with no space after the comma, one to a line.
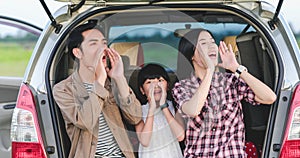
(100,74)
(117,69)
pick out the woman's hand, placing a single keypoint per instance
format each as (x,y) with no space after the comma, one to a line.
(205,60)
(227,56)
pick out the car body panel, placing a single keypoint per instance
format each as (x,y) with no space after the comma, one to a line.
(9,85)
(9,89)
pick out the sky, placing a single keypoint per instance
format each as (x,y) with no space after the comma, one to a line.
(33,12)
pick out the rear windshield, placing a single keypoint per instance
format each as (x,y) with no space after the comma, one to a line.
(160,42)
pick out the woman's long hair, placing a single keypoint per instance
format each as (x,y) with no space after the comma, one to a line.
(186,48)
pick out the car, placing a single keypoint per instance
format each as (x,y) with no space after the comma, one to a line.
(147,31)
(15,52)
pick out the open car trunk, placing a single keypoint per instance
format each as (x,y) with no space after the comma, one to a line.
(145,34)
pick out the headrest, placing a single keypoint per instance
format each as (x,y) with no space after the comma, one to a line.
(131,49)
(231,40)
(126,61)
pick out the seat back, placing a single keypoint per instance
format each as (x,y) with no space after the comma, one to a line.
(131,49)
(231,40)
(257,59)
(256,56)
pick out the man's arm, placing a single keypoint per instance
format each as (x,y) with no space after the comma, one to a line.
(83,111)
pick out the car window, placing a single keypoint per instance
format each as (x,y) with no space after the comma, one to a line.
(16,45)
(160,43)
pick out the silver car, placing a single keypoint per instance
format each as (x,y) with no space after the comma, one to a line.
(15,50)
(149,31)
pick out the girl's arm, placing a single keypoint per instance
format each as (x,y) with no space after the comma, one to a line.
(176,124)
(144,130)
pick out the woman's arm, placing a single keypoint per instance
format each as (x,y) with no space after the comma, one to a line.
(263,93)
(195,104)
(204,69)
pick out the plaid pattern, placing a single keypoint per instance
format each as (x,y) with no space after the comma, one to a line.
(218,130)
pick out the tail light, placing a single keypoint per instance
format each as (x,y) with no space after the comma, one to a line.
(291,141)
(25,131)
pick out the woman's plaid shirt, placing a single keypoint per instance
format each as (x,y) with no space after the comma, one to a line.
(218,130)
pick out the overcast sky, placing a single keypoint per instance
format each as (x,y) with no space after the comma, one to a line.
(34,13)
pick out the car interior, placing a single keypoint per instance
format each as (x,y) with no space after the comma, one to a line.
(250,47)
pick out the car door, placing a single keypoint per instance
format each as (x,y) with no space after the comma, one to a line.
(17,40)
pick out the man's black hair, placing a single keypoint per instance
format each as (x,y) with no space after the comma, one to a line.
(152,71)
(76,38)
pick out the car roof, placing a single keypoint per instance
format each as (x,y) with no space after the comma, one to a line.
(126,2)
(21,24)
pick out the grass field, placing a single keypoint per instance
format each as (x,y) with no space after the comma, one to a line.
(167,54)
(14,58)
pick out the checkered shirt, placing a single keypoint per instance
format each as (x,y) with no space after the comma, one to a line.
(218,130)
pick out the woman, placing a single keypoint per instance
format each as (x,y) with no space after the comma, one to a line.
(212,100)
(161,129)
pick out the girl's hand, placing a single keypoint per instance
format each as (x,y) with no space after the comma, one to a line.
(163,95)
(227,56)
(150,98)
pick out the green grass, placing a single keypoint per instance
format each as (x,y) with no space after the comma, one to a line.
(160,53)
(14,58)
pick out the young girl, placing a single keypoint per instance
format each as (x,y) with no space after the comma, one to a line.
(212,99)
(159,131)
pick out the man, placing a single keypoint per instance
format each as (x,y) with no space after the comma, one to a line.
(89,108)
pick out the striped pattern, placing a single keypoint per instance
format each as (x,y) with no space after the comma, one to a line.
(107,145)
(88,87)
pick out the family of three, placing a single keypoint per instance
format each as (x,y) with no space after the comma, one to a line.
(96,97)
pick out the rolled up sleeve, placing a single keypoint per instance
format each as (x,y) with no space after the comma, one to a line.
(131,108)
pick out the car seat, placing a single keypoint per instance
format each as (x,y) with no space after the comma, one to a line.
(255,56)
(250,147)
(232,41)
(133,50)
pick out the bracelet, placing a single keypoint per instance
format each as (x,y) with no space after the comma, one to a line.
(164,106)
(239,70)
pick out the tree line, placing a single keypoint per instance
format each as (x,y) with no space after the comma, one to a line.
(26,37)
